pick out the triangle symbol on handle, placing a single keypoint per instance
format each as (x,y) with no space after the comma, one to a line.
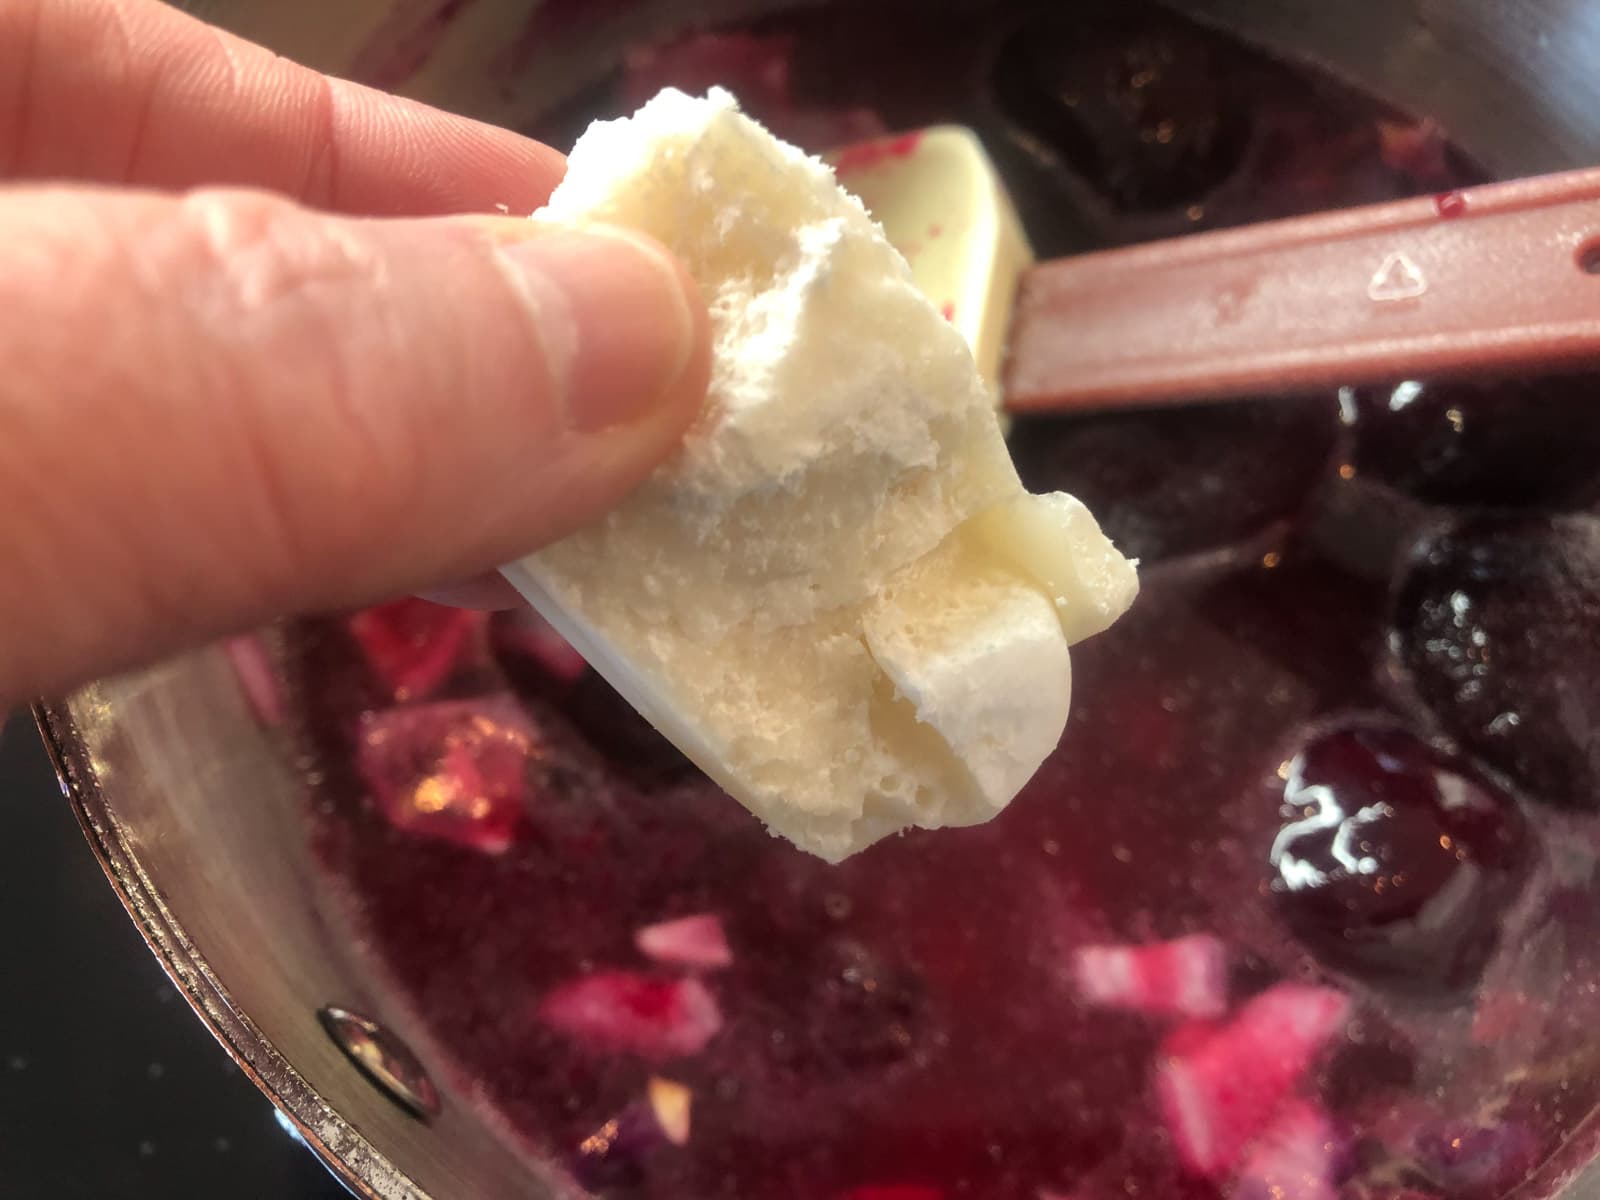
(1397,279)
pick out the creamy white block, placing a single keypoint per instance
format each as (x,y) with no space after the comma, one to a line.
(837,598)
(942,204)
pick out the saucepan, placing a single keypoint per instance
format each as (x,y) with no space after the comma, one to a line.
(197,810)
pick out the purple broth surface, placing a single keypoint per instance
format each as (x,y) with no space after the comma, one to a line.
(1349,729)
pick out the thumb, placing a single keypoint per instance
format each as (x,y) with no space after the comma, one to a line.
(222,407)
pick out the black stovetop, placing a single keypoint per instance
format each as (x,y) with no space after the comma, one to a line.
(110,1088)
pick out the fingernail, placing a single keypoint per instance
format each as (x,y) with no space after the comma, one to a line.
(489,592)
(615,315)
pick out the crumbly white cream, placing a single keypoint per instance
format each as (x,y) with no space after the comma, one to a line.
(837,599)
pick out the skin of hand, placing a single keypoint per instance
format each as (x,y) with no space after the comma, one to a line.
(265,349)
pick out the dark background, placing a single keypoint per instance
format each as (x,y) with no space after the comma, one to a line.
(109,1085)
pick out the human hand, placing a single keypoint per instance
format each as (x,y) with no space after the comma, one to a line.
(222,406)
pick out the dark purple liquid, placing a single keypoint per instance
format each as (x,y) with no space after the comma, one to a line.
(1346,745)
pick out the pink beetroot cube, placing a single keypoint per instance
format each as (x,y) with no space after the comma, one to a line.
(1219,1089)
(456,770)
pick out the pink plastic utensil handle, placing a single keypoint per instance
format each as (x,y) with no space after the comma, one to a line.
(1490,279)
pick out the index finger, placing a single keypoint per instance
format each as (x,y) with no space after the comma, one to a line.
(132,91)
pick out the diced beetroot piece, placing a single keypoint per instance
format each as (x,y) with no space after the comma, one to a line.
(1295,1159)
(895,1191)
(455,770)
(697,941)
(1187,1038)
(414,646)
(259,682)
(1185,977)
(1218,1093)
(526,633)
(633,1013)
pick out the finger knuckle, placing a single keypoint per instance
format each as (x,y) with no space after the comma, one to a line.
(279,286)
(264,251)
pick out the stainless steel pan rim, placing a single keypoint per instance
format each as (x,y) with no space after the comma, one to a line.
(335,1142)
